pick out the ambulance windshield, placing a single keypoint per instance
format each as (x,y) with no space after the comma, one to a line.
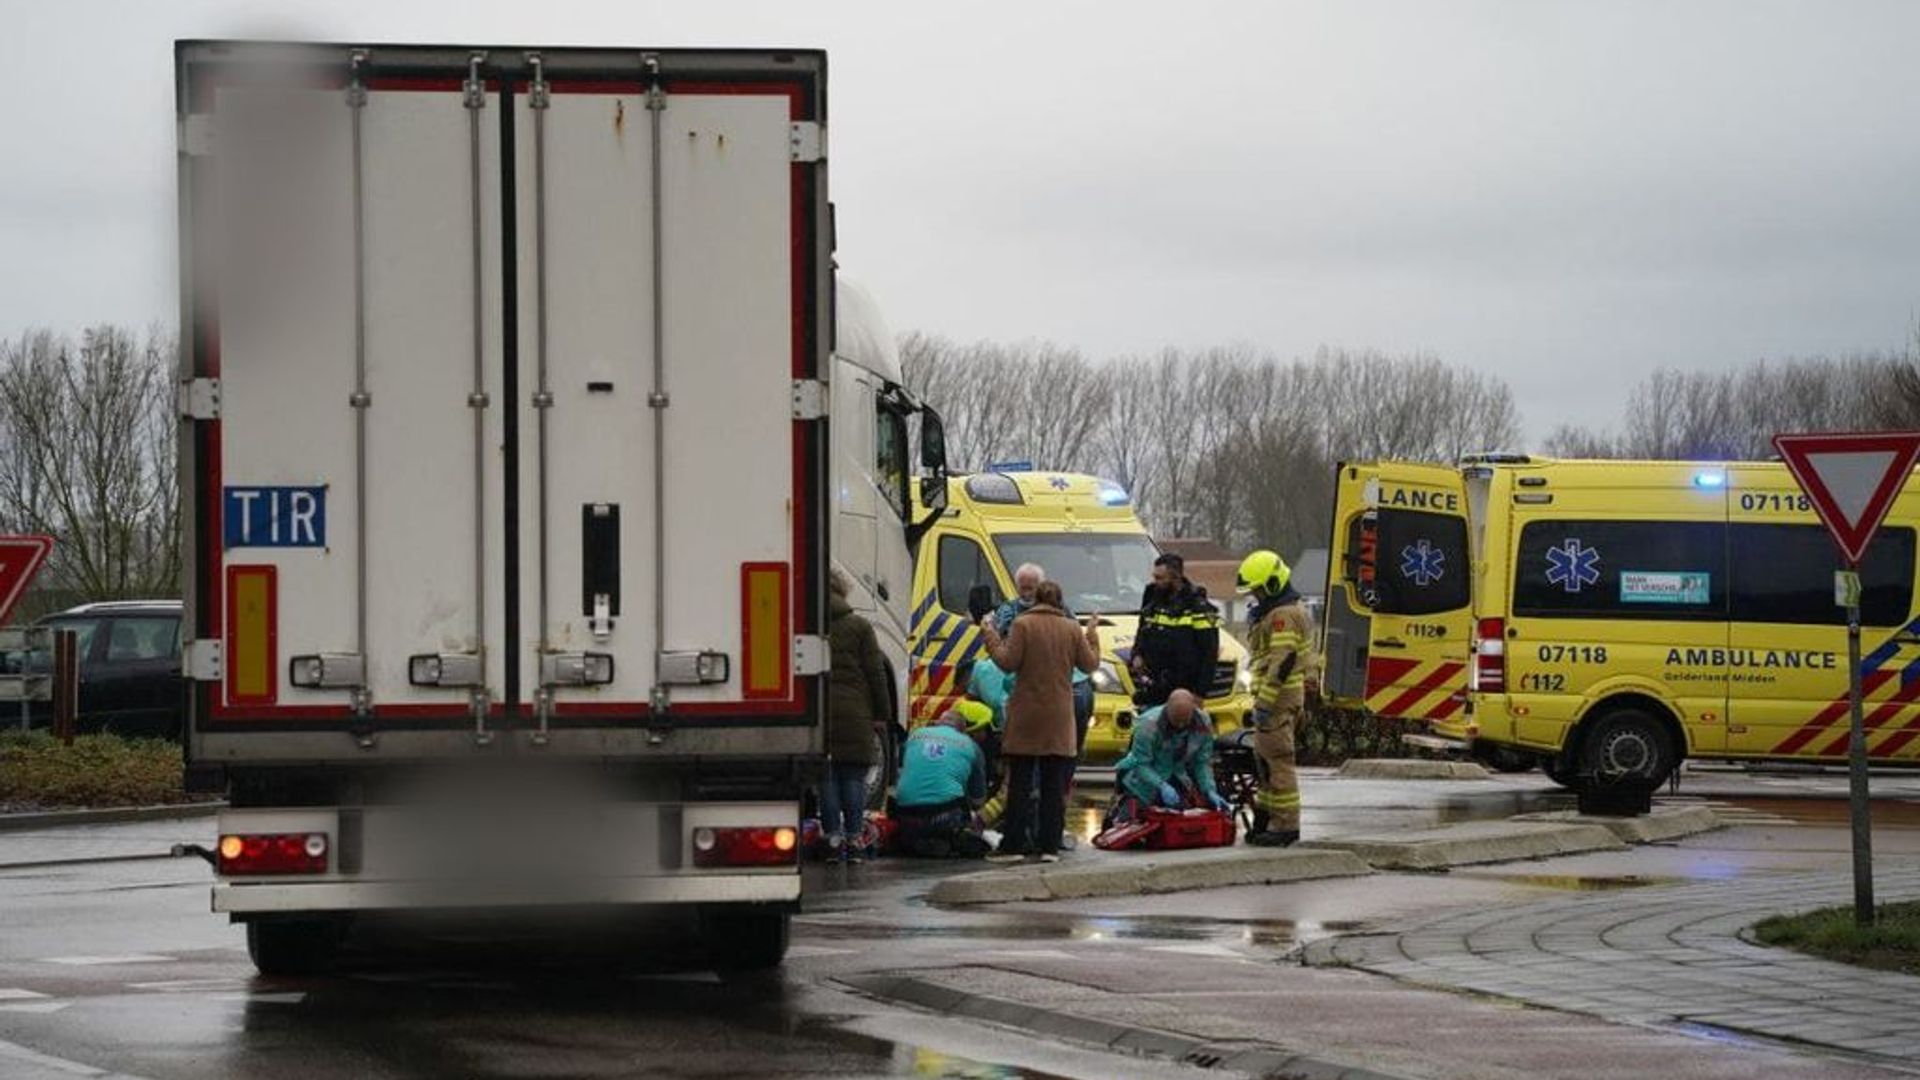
(1101,573)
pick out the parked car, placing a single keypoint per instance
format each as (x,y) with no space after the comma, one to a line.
(129,668)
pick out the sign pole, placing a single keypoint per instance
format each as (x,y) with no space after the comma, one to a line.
(1857,797)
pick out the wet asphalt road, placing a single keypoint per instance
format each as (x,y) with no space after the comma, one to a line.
(117,968)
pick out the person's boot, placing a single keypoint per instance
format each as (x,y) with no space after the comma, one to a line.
(1274,838)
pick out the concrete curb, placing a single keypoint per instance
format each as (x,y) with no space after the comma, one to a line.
(1412,769)
(1664,824)
(1142,873)
(1473,842)
(1256,1059)
(113,815)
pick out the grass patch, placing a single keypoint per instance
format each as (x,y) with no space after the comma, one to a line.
(1892,943)
(37,772)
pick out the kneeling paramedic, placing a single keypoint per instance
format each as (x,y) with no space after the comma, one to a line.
(1279,632)
(1170,761)
(943,777)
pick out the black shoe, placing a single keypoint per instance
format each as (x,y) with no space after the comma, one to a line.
(1267,838)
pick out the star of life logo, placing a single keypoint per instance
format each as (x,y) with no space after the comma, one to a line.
(1573,565)
(1422,563)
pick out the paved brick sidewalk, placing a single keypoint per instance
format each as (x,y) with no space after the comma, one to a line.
(1665,956)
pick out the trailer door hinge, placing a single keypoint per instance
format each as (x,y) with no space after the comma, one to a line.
(810,655)
(201,660)
(807,140)
(200,399)
(809,399)
(196,135)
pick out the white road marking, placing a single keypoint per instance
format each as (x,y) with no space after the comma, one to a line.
(174,986)
(804,952)
(14,1052)
(35,1006)
(8,993)
(97,961)
(1206,949)
(1028,954)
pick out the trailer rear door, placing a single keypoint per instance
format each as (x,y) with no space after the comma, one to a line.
(504,362)
(1399,602)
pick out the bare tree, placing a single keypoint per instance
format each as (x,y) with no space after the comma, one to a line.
(88,437)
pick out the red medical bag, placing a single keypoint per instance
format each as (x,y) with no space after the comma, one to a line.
(1189,829)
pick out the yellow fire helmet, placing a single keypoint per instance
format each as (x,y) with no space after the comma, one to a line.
(1264,571)
(978,715)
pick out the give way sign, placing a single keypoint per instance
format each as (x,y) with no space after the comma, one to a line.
(20,559)
(1851,479)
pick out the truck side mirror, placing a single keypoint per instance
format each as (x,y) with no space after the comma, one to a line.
(933,493)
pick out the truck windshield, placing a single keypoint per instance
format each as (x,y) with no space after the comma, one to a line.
(1098,572)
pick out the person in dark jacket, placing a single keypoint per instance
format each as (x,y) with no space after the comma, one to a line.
(858,703)
(1178,641)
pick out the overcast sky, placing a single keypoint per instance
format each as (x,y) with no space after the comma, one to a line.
(1566,194)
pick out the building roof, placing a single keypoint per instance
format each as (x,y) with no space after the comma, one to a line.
(1198,550)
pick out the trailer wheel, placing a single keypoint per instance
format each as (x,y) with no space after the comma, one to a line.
(1628,747)
(293,947)
(745,940)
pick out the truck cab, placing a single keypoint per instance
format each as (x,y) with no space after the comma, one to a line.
(878,502)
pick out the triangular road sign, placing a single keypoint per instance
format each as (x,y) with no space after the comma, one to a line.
(20,559)
(1851,479)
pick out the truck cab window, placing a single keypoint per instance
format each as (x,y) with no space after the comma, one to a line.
(890,465)
(963,564)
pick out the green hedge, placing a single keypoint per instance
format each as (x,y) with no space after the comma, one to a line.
(37,771)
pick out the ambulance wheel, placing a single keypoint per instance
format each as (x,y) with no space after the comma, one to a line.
(293,947)
(739,941)
(1628,746)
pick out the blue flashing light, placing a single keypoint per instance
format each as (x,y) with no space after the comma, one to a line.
(1710,479)
(1114,495)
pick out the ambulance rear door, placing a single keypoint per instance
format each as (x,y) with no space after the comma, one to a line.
(1399,603)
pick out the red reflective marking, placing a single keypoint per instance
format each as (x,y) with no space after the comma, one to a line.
(1435,681)
(1811,729)
(1383,672)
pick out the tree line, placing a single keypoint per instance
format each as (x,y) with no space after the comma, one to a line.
(1239,445)
(1230,443)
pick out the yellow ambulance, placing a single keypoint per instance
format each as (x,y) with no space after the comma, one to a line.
(1609,619)
(1082,530)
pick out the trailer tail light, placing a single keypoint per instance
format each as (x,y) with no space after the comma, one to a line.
(273,853)
(759,846)
(1490,657)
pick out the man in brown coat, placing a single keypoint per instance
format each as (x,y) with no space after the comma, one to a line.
(1042,651)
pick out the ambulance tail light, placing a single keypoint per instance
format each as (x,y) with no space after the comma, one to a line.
(273,853)
(1490,656)
(758,846)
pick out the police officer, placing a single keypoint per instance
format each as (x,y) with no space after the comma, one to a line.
(1178,641)
(1280,636)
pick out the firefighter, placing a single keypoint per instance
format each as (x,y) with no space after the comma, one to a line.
(1279,633)
(1179,637)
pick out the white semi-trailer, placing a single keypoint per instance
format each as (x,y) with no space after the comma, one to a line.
(511,465)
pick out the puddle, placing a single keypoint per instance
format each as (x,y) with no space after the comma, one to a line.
(1887,813)
(1571,882)
(1029,926)
(1497,806)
